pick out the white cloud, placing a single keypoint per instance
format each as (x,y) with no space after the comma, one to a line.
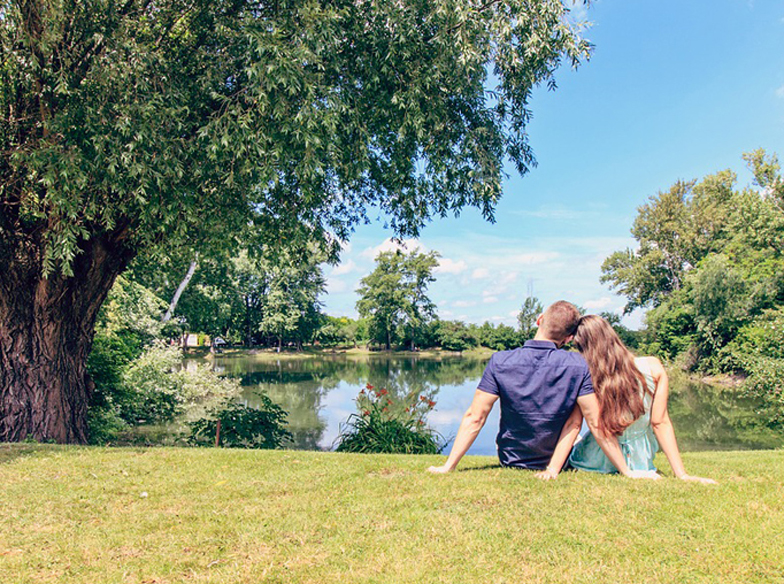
(480,273)
(598,304)
(406,246)
(780,92)
(447,266)
(490,300)
(345,268)
(463,303)
(536,257)
(336,285)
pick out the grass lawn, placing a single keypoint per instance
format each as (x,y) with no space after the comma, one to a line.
(93,515)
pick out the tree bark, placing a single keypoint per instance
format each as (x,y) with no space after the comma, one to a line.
(46,332)
(180,289)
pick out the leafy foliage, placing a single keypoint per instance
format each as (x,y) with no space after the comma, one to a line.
(393,297)
(526,318)
(262,427)
(175,116)
(454,335)
(710,264)
(388,424)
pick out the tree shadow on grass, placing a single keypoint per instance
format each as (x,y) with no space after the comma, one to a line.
(482,467)
(11,451)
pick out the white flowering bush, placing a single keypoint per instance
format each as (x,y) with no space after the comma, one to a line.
(161,389)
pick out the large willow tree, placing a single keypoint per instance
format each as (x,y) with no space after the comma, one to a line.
(127,124)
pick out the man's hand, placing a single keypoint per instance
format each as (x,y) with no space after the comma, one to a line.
(439,469)
(546,475)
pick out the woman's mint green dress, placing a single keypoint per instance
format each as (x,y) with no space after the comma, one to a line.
(638,444)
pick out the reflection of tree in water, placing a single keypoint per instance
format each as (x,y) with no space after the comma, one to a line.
(300,385)
(403,375)
(711,418)
(705,417)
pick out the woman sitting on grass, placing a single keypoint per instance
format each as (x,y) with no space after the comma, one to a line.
(632,394)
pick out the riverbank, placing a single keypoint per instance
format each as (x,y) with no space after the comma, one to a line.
(356,352)
(166,515)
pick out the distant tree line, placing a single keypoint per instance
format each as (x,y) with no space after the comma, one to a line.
(266,300)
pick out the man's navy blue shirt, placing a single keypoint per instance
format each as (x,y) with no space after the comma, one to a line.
(538,386)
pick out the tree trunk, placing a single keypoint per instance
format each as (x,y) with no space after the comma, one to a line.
(46,333)
(180,289)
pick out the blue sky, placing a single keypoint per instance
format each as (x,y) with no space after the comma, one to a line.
(674,90)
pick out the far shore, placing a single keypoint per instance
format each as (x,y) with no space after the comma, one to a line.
(324,352)
(723,381)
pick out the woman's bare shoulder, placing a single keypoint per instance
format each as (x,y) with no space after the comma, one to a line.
(649,363)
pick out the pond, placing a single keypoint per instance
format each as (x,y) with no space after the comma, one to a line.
(319,392)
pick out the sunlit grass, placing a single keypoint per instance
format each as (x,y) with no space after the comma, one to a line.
(201,515)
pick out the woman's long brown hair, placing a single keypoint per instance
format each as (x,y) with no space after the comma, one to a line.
(616,379)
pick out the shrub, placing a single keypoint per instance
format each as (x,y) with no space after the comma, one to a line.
(162,389)
(242,426)
(385,424)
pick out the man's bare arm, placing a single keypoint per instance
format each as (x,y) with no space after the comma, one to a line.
(569,433)
(473,421)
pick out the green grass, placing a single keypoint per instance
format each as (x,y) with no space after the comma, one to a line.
(93,515)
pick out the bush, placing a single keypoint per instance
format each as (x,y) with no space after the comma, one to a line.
(161,389)
(243,427)
(387,425)
(766,382)
(454,335)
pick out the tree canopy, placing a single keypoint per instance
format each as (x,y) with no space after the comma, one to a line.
(129,124)
(393,297)
(710,268)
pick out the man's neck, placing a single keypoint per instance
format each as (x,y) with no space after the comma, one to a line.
(542,337)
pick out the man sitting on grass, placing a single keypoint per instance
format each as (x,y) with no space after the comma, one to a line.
(544,393)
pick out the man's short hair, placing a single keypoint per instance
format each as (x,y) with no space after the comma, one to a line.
(560,320)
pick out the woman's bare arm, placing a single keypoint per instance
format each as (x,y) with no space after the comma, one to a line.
(589,405)
(662,425)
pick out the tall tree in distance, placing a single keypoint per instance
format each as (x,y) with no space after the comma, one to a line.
(393,296)
(526,318)
(131,124)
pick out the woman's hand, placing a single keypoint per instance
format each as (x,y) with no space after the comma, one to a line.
(644,474)
(702,480)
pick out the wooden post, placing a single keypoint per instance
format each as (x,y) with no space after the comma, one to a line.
(217,434)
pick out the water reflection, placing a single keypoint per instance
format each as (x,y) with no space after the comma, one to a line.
(319,393)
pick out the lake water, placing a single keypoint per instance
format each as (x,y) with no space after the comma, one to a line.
(319,393)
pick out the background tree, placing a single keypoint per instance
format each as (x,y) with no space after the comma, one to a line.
(721,290)
(393,297)
(130,125)
(526,318)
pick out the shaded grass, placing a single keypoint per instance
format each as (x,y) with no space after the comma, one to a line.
(70,514)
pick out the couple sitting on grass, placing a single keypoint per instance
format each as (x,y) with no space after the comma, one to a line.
(546,392)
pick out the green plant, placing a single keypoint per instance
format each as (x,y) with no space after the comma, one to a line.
(387,424)
(242,426)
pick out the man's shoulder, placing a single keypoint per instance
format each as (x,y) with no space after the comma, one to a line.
(562,356)
(502,357)
(572,358)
